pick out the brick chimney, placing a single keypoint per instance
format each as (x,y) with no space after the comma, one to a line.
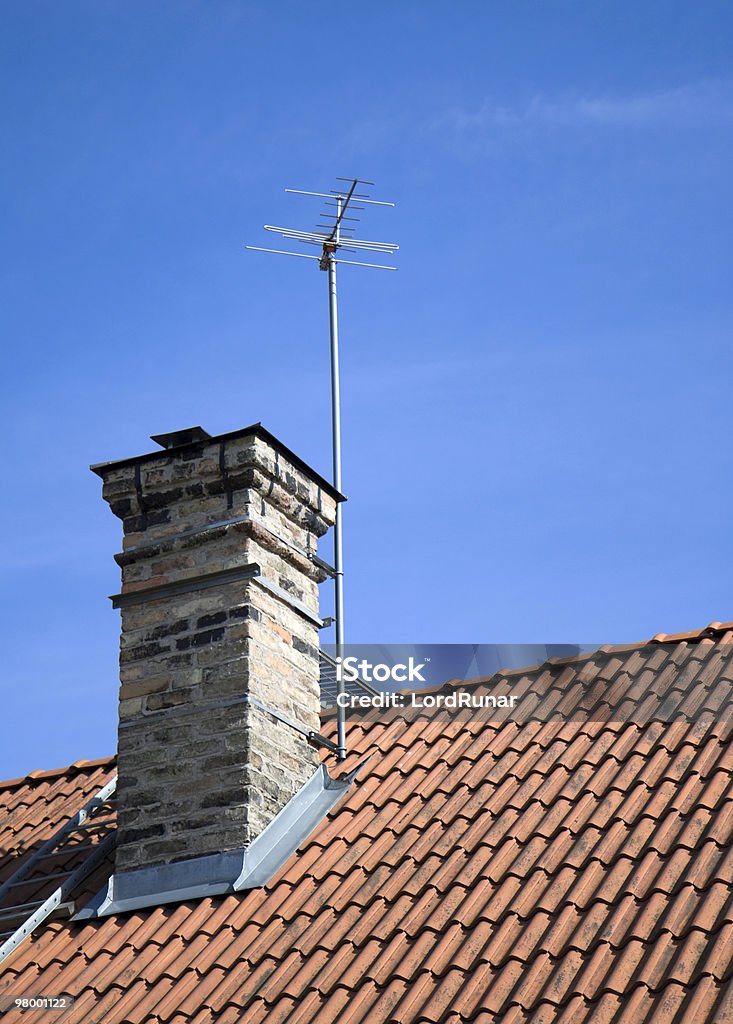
(219,647)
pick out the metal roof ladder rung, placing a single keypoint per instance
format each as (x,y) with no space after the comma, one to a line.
(37,879)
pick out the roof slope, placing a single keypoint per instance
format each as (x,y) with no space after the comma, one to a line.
(479,872)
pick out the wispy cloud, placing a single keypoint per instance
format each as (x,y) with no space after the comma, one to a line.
(701,103)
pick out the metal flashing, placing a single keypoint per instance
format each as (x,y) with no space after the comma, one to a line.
(169,543)
(181,438)
(255,429)
(165,544)
(314,737)
(210,579)
(251,571)
(246,700)
(216,874)
(294,603)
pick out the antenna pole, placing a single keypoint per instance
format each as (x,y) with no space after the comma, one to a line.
(336,451)
(332,237)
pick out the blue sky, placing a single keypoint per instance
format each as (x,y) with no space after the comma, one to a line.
(536,407)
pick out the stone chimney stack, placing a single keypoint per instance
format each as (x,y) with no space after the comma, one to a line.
(219,649)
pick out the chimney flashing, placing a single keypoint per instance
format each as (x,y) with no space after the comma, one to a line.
(221,873)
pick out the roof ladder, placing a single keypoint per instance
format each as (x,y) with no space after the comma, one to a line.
(23,918)
(329,682)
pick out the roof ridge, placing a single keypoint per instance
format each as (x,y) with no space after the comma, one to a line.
(714,629)
(72,769)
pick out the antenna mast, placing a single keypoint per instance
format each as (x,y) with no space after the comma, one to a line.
(332,237)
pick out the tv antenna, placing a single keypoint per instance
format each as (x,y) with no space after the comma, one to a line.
(336,234)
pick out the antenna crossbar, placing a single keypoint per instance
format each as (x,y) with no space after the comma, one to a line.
(321,237)
(281,252)
(337,192)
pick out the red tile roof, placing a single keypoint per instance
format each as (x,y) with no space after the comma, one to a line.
(562,871)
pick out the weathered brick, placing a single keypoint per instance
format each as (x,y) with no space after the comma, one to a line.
(206,636)
(143,687)
(171,699)
(211,620)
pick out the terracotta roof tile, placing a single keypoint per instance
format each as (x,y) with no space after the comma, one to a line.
(548,894)
(281,1012)
(700,1002)
(716,907)
(166,997)
(500,985)
(668,1004)
(534,978)
(554,856)
(560,982)
(575,1011)
(551,872)
(484,989)
(606,1010)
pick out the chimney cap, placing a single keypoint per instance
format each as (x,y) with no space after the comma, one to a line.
(254,430)
(176,438)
